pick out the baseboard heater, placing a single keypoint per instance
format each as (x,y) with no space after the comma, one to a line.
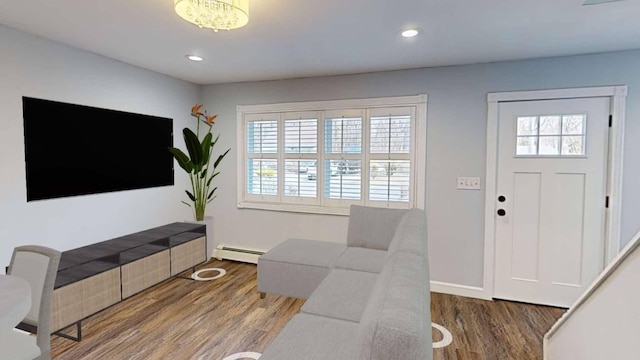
(237,254)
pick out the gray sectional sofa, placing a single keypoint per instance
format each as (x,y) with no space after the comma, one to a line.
(368,299)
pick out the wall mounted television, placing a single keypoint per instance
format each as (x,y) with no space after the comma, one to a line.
(79,150)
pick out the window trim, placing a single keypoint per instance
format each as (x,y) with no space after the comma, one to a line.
(418,176)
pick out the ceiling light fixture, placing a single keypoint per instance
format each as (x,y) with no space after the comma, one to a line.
(214,14)
(410,33)
(194,57)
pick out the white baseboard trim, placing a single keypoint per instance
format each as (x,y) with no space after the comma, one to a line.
(459,290)
(223,252)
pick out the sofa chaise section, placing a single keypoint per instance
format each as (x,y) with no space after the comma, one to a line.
(296,267)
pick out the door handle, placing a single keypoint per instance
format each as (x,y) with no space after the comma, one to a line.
(501,212)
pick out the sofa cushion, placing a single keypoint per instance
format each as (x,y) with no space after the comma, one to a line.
(311,337)
(411,235)
(396,323)
(361,259)
(371,227)
(343,294)
(296,267)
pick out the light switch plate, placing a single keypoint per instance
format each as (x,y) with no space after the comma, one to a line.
(468,183)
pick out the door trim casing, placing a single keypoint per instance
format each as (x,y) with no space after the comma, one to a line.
(618,95)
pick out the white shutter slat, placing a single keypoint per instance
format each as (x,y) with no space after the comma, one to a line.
(390,134)
(262,137)
(301,136)
(262,177)
(390,148)
(343,135)
(343,178)
(389,181)
(300,178)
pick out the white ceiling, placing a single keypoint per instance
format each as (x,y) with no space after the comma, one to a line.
(302,38)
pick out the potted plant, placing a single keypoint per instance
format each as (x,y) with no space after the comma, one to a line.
(198,164)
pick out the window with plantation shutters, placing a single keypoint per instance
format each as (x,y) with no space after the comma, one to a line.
(322,157)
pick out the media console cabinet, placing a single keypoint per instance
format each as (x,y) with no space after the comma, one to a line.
(94,277)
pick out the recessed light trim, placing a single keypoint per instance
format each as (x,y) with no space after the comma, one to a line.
(409,33)
(194,57)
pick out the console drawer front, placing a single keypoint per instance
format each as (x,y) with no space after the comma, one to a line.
(188,255)
(144,273)
(76,301)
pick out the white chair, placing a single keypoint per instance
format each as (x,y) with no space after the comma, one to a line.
(37,265)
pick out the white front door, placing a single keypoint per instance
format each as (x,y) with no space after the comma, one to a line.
(551,191)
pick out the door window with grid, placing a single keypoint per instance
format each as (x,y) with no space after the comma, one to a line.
(322,161)
(551,135)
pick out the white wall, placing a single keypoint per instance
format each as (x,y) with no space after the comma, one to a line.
(456,132)
(33,66)
(605,322)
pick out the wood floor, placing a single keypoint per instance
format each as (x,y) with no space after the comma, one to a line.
(490,330)
(183,319)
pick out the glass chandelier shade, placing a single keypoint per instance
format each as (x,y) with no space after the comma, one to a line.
(214,14)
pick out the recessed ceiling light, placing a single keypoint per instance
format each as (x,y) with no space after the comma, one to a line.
(194,57)
(410,33)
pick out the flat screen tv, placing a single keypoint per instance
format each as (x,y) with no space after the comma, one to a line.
(78,150)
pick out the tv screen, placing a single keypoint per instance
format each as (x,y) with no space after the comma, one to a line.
(77,150)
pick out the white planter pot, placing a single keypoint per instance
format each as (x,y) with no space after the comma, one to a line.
(211,244)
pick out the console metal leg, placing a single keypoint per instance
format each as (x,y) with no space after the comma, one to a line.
(78,336)
(193,270)
(184,277)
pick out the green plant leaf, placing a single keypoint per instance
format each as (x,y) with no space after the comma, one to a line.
(215,141)
(206,148)
(193,198)
(186,203)
(211,178)
(215,165)
(194,147)
(182,158)
(211,193)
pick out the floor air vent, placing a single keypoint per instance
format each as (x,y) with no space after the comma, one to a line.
(237,254)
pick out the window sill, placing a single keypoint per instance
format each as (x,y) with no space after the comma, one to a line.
(305,209)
